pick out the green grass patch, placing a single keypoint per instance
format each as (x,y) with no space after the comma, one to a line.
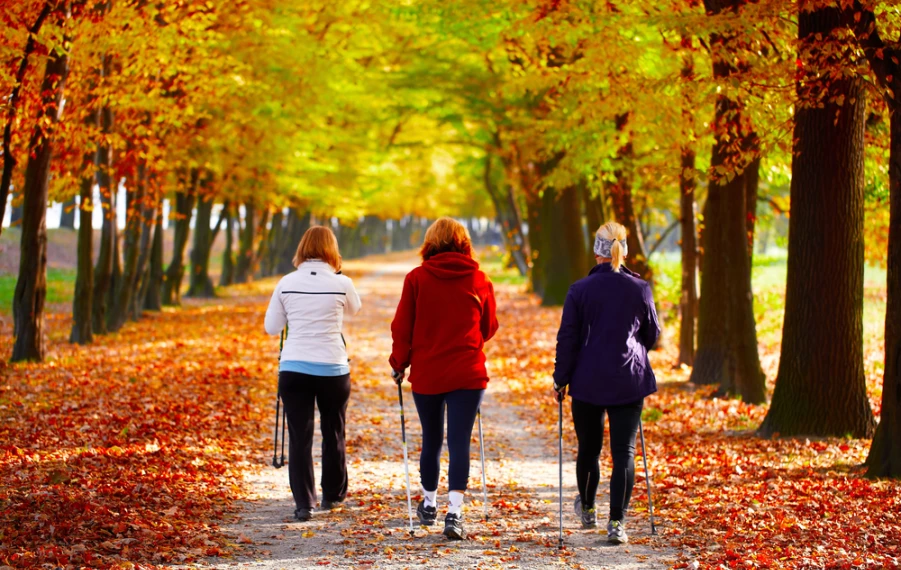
(494,261)
(60,288)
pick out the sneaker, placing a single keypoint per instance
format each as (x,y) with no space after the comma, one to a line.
(327,505)
(453,527)
(588,516)
(427,515)
(303,515)
(616,532)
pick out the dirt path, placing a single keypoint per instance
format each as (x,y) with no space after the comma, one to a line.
(370,530)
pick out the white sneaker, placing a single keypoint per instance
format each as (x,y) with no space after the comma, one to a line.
(616,532)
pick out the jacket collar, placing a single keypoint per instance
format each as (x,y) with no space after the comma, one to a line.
(608,268)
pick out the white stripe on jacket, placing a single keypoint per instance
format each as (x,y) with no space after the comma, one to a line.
(313,301)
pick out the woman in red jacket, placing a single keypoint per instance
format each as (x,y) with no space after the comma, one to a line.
(445,315)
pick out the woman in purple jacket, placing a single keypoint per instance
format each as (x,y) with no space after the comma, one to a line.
(609,324)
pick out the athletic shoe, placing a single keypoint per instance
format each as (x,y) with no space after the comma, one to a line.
(453,527)
(427,515)
(303,515)
(327,505)
(616,532)
(588,516)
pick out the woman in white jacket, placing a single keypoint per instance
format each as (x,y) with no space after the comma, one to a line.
(314,370)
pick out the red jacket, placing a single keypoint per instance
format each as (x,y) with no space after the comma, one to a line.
(445,315)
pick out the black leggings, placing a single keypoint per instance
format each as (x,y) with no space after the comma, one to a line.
(300,393)
(589,423)
(462,406)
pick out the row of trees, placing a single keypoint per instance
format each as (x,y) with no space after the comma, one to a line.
(553,115)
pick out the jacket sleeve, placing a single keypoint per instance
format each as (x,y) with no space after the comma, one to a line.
(650,328)
(489,323)
(276,316)
(353,305)
(402,327)
(568,344)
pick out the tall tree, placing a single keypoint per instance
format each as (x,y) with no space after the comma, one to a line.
(184,206)
(688,300)
(820,388)
(884,459)
(82,315)
(621,197)
(12,106)
(727,336)
(31,287)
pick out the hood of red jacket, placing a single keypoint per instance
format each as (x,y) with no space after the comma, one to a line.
(450,265)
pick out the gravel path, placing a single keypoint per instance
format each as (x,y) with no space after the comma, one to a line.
(370,530)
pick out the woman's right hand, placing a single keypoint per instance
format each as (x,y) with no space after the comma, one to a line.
(398,376)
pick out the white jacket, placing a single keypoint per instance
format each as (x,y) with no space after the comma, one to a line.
(312,301)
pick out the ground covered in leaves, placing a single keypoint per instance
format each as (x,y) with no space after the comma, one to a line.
(143,449)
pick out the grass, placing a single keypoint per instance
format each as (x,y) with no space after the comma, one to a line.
(60,288)
(494,262)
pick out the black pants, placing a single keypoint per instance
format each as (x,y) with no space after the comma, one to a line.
(299,392)
(462,406)
(589,423)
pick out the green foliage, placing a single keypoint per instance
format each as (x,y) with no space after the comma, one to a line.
(60,288)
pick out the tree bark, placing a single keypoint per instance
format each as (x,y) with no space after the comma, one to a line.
(261,242)
(727,335)
(820,387)
(31,287)
(228,257)
(752,187)
(563,252)
(12,106)
(104,271)
(274,243)
(297,226)
(121,308)
(150,211)
(623,207)
(67,214)
(884,459)
(184,206)
(243,268)
(688,300)
(200,283)
(82,331)
(153,300)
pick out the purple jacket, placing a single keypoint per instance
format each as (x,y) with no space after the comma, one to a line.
(609,324)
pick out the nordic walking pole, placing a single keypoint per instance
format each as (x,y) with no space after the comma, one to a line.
(278,401)
(482,453)
(560,462)
(644,457)
(403,435)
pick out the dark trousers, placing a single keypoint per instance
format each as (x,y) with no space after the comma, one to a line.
(589,423)
(299,393)
(462,406)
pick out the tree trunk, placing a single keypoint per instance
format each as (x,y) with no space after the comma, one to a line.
(297,226)
(149,214)
(82,332)
(228,257)
(688,301)
(594,219)
(820,387)
(274,243)
(623,207)
(727,335)
(537,270)
(200,283)
(134,229)
(106,261)
(184,206)
(752,187)
(243,269)
(12,106)
(261,242)
(31,287)
(884,459)
(153,300)
(67,214)
(562,253)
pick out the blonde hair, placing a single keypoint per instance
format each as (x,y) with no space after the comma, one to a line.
(319,242)
(446,235)
(616,233)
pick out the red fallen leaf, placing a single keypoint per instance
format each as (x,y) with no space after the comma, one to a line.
(323,562)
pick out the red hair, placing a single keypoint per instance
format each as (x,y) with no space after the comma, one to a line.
(446,235)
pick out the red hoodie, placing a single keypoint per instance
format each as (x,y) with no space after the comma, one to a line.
(445,315)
